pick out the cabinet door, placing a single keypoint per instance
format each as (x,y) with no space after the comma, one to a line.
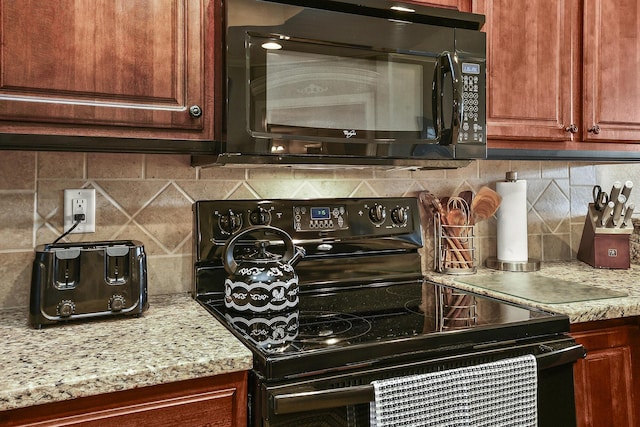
(611,64)
(606,380)
(107,68)
(219,401)
(531,56)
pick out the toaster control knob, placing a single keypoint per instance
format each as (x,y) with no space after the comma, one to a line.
(116,303)
(66,308)
(377,214)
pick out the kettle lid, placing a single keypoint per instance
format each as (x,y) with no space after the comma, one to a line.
(260,254)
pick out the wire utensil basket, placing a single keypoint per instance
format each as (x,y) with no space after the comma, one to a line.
(454,247)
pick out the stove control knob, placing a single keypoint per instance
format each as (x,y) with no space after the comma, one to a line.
(66,308)
(230,222)
(399,215)
(377,214)
(260,216)
(116,303)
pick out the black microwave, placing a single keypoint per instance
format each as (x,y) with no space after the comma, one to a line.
(352,83)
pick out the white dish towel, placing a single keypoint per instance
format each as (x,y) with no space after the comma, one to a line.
(496,394)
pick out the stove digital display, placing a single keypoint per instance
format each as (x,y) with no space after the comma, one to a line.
(320,213)
(323,218)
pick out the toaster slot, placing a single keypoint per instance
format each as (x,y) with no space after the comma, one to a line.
(117,265)
(67,269)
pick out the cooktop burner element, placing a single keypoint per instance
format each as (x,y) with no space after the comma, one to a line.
(295,332)
(322,328)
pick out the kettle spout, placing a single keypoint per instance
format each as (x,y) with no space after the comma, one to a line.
(297,256)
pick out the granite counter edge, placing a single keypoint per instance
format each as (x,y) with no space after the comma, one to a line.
(578,312)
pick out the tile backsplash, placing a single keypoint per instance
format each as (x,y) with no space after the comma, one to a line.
(148,198)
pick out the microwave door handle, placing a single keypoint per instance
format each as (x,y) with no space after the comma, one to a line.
(453,65)
(436,100)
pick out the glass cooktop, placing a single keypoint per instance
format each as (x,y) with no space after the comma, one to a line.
(356,324)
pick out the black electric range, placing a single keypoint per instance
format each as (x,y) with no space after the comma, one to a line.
(364,307)
(366,292)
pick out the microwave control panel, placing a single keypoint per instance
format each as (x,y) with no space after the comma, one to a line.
(472,126)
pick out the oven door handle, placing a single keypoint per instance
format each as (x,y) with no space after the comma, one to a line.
(289,403)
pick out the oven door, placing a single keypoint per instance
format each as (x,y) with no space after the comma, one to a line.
(343,400)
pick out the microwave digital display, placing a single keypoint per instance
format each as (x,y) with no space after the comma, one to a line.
(468,68)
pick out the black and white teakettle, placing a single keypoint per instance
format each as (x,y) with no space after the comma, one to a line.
(261,282)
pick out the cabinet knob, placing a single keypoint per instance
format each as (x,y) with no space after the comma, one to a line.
(594,129)
(195,111)
(572,128)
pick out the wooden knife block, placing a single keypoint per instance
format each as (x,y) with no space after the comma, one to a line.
(603,247)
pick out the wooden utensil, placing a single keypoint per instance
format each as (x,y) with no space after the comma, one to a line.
(457,215)
(467,196)
(484,204)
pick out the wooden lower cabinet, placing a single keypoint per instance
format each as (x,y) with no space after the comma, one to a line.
(607,381)
(219,401)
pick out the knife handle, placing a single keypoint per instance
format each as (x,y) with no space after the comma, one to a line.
(606,213)
(626,190)
(617,210)
(627,215)
(615,191)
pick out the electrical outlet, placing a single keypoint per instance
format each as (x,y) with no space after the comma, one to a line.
(80,201)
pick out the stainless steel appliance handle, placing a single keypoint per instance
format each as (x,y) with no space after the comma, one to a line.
(289,403)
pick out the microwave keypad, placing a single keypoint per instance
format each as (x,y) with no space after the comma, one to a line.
(471,130)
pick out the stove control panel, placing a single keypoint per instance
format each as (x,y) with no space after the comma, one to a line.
(217,220)
(325,228)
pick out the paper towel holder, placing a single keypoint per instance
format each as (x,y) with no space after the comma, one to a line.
(518,266)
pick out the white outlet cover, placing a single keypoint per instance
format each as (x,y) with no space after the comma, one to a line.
(89,223)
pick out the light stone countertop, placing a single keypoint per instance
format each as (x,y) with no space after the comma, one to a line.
(175,339)
(627,281)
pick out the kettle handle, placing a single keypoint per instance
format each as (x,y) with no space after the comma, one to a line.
(230,263)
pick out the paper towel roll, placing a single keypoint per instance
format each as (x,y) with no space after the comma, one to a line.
(512,221)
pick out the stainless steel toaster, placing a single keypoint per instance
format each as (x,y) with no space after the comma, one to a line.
(72,281)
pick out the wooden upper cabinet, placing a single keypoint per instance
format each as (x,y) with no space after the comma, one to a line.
(115,68)
(611,70)
(531,65)
(562,73)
